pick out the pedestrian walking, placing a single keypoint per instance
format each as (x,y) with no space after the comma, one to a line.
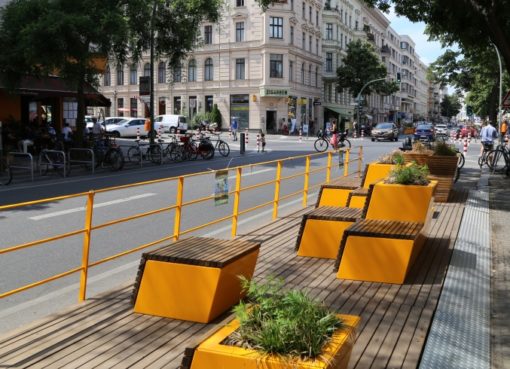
(234,127)
(263,141)
(503,131)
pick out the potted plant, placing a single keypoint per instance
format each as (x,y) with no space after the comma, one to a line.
(277,328)
(381,168)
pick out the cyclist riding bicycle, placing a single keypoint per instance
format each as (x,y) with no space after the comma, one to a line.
(487,136)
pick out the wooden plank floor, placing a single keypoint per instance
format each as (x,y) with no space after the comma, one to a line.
(105,333)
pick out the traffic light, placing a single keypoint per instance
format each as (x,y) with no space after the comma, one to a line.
(469,111)
(398,77)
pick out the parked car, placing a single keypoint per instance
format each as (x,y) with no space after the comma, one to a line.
(385,131)
(89,121)
(172,123)
(112,120)
(424,132)
(128,127)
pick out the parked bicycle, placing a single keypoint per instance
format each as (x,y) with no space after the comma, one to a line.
(487,157)
(53,161)
(107,153)
(323,141)
(140,152)
(220,145)
(500,162)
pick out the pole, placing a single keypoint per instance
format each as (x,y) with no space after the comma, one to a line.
(358,125)
(500,107)
(151,103)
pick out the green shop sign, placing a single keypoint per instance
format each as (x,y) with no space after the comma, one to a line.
(278,92)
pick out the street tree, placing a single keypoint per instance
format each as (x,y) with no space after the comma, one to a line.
(360,66)
(473,24)
(42,37)
(450,106)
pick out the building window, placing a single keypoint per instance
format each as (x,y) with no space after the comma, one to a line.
(177,105)
(291,71)
(120,74)
(107,78)
(303,73)
(317,17)
(317,46)
(208,35)
(133,75)
(304,41)
(239,31)
(192,70)
(310,14)
(240,65)
(147,70)
(291,4)
(208,70)
(177,74)
(329,31)
(239,2)
(276,66)
(161,72)
(329,62)
(310,74)
(291,35)
(276,27)
(162,106)
(310,43)
(133,107)
(303,11)
(316,76)
(208,103)
(120,107)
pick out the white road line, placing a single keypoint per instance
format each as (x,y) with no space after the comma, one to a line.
(253,173)
(99,205)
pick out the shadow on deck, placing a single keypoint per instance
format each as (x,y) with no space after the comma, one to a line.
(104,332)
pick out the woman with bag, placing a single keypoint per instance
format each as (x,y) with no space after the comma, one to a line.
(334,135)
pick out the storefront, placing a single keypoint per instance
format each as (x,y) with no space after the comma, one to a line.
(240,109)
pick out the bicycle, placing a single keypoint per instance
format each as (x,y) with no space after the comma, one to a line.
(5,172)
(323,141)
(500,160)
(53,160)
(152,153)
(107,152)
(486,156)
(221,146)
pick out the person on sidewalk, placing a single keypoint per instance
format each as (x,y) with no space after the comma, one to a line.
(503,131)
(234,127)
(487,136)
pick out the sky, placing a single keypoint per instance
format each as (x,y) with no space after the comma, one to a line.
(428,51)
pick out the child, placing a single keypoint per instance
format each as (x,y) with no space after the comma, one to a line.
(263,141)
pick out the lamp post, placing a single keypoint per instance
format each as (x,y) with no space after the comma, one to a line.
(500,87)
(151,101)
(358,98)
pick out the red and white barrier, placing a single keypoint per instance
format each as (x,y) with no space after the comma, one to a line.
(465,146)
(258,143)
(138,134)
(246,137)
(300,135)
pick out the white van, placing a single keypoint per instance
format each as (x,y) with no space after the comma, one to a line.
(172,123)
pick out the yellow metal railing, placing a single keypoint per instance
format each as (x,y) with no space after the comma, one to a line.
(88,228)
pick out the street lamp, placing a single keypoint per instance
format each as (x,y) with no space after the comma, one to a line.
(151,102)
(500,107)
(358,99)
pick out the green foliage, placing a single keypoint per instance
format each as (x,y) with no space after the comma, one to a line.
(450,106)
(413,174)
(289,323)
(216,116)
(394,157)
(362,65)
(443,149)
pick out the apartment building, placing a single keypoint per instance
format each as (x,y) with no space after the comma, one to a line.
(422,91)
(262,68)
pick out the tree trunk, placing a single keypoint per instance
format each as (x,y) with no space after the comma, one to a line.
(80,123)
(499,38)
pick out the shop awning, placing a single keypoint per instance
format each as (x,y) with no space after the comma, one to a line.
(346,113)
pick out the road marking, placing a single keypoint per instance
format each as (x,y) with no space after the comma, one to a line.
(99,205)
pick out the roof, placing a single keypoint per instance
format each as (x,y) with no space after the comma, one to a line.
(50,86)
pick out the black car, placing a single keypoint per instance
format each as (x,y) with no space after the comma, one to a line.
(385,131)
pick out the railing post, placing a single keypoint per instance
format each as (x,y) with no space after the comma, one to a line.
(346,162)
(178,209)
(360,161)
(307,179)
(277,189)
(86,246)
(328,169)
(237,198)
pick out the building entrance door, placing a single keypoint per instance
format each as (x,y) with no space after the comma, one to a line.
(271,121)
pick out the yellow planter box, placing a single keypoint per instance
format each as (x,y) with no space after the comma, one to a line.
(211,354)
(410,203)
(376,172)
(196,279)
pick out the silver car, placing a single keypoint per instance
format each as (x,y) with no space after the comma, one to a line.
(385,131)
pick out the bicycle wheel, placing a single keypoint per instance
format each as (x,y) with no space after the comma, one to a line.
(134,154)
(191,151)
(115,159)
(345,143)
(206,150)
(5,175)
(154,154)
(481,160)
(497,162)
(223,148)
(462,161)
(321,145)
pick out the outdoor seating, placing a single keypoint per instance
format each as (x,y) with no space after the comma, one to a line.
(195,279)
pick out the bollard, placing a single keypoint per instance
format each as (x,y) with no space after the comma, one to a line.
(242,147)
(300,135)
(246,137)
(138,134)
(230,132)
(159,133)
(354,134)
(465,146)
(362,134)
(258,143)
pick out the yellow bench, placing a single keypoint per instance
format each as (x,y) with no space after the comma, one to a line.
(195,279)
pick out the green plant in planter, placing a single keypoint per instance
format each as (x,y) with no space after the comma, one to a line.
(443,149)
(413,174)
(284,322)
(394,157)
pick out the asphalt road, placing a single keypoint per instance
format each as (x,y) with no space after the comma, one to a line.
(39,221)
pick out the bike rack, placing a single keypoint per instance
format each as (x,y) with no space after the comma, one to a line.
(91,162)
(23,156)
(142,147)
(43,162)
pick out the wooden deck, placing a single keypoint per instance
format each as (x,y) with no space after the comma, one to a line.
(105,333)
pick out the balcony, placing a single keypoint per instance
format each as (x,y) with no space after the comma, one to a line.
(385,50)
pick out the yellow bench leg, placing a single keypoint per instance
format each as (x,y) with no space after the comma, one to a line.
(321,238)
(357,202)
(334,197)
